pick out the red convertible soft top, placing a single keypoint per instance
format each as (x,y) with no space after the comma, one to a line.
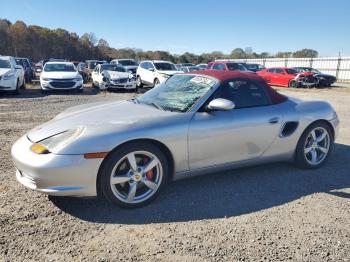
(223,75)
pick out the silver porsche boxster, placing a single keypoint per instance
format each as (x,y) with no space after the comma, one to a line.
(191,124)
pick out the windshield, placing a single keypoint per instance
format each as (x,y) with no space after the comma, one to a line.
(127,62)
(178,93)
(113,68)
(19,62)
(59,68)
(92,65)
(291,71)
(235,66)
(163,66)
(5,63)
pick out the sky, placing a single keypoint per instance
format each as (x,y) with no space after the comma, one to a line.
(197,26)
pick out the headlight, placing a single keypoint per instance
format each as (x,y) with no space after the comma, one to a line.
(78,78)
(8,76)
(131,77)
(55,142)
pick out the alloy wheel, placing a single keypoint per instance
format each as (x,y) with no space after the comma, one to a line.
(136,177)
(316,146)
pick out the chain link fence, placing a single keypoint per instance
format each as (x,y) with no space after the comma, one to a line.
(337,66)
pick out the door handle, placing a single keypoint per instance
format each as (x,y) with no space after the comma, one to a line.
(274,120)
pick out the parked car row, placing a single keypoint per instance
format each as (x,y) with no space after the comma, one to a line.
(279,76)
(60,74)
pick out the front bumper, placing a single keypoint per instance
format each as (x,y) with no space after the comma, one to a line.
(58,175)
(127,86)
(48,85)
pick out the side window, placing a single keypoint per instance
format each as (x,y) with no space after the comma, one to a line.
(96,69)
(209,66)
(244,93)
(219,67)
(150,65)
(241,68)
(279,71)
(143,65)
(271,70)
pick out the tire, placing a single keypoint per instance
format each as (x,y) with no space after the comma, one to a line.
(138,82)
(293,84)
(16,91)
(155,82)
(133,181)
(304,154)
(23,86)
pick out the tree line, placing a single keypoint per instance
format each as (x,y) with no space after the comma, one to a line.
(39,43)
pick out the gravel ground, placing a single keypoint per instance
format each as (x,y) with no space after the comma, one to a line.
(266,213)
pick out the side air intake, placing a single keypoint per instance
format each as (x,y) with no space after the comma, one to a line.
(289,128)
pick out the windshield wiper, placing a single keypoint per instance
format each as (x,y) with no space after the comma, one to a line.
(156,105)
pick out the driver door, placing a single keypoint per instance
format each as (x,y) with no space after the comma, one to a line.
(243,133)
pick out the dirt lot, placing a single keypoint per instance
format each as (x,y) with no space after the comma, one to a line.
(267,213)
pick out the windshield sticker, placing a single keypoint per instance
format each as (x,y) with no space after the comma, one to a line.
(202,80)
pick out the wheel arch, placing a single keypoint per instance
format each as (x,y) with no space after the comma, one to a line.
(322,121)
(160,145)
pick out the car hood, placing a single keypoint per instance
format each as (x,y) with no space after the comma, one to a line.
(59,75)
(4,71)
(104,116)
(114,74)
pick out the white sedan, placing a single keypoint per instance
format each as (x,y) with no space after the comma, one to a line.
(112,76)
(11,75)
(60,76)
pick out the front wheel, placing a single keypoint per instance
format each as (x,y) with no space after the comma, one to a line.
(138,81)
(16,91)
(133,175)
(314,146)
(156,82)
(293,84)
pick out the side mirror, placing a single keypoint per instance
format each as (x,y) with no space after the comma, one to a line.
(151,69)
(221,104)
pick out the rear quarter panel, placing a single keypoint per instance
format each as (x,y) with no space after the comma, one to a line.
(305,113)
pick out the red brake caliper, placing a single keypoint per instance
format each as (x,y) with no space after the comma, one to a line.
(149,174)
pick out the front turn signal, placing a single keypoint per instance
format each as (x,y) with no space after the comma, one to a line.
(95,155)
(39,149)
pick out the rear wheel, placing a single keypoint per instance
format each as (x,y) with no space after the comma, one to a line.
(133,175)
(314,146)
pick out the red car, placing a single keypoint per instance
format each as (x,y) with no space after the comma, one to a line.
(288,77)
